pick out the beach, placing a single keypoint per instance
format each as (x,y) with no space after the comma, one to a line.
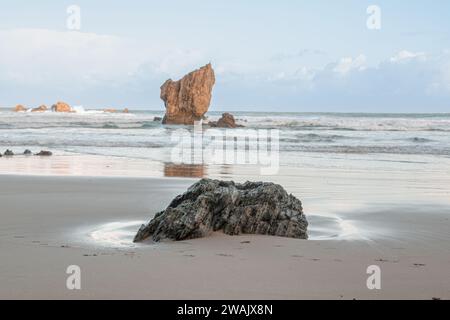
(52,222)
(219,150)
(374,190)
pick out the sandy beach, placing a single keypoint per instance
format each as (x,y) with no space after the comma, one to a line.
(49,223)
(220,150)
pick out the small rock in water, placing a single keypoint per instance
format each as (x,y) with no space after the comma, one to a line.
(61,107)
(8,153)
(41,108)
(157,119)
(20,108)
(44,153)
(227,121)
(27,152)
(212,205)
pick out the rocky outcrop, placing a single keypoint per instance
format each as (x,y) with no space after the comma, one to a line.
(212,205)
(44,153)
(110,110)
(157,119)
(19,108)
(41,108)
(126,110)
(27,152)
(8,153)
(188,99)
(61,107)
(226,121)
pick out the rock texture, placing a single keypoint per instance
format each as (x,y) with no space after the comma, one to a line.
(9,153)
(212,205)
(19,108)
(188,99)
(61,107)
(41,108)
(226,121)
(44,153)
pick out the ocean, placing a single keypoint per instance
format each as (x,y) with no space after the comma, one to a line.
(136,135)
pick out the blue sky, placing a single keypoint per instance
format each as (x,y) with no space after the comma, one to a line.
(268,55)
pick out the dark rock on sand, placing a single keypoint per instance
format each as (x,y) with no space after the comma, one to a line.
(188,99)
(27,152)
(212,205)
(8,153)
(44,153)
(227,121)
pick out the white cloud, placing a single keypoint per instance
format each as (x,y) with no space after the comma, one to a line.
(36,57)
(406,81)
(348,64)
(49,64)
(40,56)
(405,56)
(405,71)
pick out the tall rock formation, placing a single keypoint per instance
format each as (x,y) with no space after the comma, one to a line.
(188,99)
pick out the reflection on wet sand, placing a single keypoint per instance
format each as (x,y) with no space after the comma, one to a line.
(76,165)
(185,170)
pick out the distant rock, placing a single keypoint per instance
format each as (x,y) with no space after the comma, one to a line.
(126,110)
(61,107)
(212,205)
(157,119)
(226,121)
(41,108)
(8,153)
(110,110)
(188,99)
(19,108)
(44,153)
(27,152)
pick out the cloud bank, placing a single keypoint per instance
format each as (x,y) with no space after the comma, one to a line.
(41,66)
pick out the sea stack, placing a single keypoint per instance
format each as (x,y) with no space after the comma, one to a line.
(61,107)
(187,100)
(19,108)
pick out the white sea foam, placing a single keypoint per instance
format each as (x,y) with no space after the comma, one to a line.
(115,234)
(137,135)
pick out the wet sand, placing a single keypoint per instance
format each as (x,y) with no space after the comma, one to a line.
(49,223)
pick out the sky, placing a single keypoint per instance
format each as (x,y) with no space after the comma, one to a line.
(286,55)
